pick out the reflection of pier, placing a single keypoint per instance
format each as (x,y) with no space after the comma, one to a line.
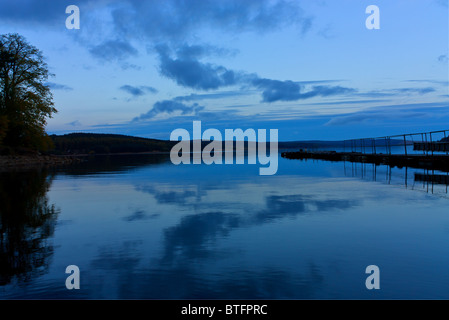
(435,162)
(423,179)
(433,178)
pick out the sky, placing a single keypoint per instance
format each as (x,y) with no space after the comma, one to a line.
(311,69)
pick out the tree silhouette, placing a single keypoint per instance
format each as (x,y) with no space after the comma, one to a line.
(25,99)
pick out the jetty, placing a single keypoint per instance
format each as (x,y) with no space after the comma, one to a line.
(428,152)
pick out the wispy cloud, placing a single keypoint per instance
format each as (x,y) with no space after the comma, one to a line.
(138,91)
(75,123)
(169,107)
(275,90)
(392,112)
(443,58)
(397,91)
(210,96)
(415,90)
(58,86)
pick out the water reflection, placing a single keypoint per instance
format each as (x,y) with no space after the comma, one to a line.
(430,181)
(158,231)
(27,224)
(103,164)
(116,274)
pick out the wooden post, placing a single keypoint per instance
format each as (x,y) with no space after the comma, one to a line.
(405,145)
(431,144)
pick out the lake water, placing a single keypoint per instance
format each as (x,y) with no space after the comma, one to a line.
(143,228)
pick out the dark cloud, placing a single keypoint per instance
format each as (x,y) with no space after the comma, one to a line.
(57,86)
(191,73)
(113,50)
(167,19)
(188,71)
(276,90)
(35,12)
(138,91)
(187,51)
(169,107)
(174,20)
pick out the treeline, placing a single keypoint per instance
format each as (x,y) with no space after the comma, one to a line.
(94,143)
(25,99)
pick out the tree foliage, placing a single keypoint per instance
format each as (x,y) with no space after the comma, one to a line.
(25,99)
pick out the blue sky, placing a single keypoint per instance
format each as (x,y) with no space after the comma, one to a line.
(310,69)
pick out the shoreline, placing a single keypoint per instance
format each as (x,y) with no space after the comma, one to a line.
(53,160)
(36,161)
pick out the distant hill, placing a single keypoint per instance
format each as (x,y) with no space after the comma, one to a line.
(320,144)
(95,143)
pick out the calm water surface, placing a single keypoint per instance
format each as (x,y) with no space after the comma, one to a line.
(142,228)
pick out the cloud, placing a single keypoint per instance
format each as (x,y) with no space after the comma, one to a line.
(113,50)
(442,2)
(443,58)
(138,91)
(187,71)
(187,51)
(35,12)
(361,117)
(174,20)
(444,83)
(75,123)
(167,19)
(218,95)
(191,73)
(415,90)
(392,112)
(276,90)
(57,86)
(169,107)
(395,92)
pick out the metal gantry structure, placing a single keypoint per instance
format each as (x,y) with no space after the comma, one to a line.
(426,143)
